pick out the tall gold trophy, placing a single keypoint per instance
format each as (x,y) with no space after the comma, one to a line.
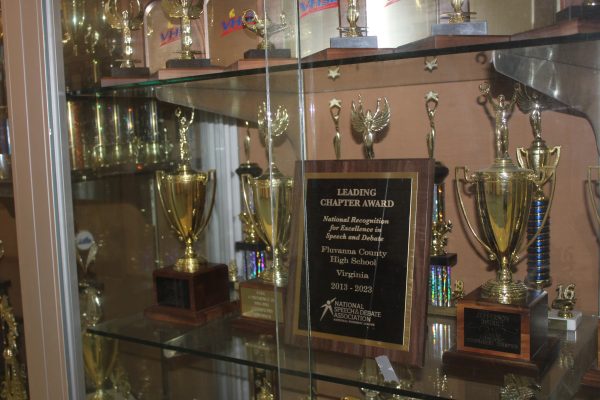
(192,291)
(126,19)
(185,11)
(271,195)
(503,317)
(536,157)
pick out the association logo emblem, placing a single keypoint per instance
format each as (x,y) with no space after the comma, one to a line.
(327,308)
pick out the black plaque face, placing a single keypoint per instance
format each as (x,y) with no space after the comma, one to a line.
(493,330)
(172,292)
(360,252)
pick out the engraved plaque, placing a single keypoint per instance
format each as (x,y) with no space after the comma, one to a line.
(493,330)
(365,258)
(259,303)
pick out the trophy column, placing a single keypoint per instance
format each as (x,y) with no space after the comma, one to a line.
(441,262)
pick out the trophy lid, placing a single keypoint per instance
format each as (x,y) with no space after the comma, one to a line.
(273,177)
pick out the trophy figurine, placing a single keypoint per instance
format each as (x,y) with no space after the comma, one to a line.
(369,125)
(503,194)
(271,197)
(126,20)
(335,108)
(251,246)
(353,36)
(459,22)
(441,262)
(537,157)
(185,11)
(562,315)
(191,291)
(264,29)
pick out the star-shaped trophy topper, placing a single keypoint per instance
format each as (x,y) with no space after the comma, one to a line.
(431,95)
(335,103)
(431,63)
(333,73)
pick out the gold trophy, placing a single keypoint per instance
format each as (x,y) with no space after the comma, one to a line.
(126,20)
(264,29)
(503,194)
(187,198)
(271,197)
(562,315)
(537,157)
(185,11)
(353,36)
(99,352)
(459,22)
(369,125)
(335,108)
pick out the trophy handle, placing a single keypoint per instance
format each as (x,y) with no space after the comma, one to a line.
(245,187)
(522,155)
(464,170)
(546,173)
(591,191)
(212,178)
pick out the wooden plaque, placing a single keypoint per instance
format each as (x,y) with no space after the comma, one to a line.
(362,240)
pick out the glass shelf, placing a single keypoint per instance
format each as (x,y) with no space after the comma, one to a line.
(219,340)
(238,93)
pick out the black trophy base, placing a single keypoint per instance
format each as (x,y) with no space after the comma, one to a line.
(134,72)
(493,369)
(361,42)
(246,246)
(193,63)
(249,168)
(448,259)
(272,53)
(191,298)
(463,28)
(575,12)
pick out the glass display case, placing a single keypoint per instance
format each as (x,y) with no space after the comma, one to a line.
(293,200)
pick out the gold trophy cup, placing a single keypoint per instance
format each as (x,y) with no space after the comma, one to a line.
(271,195)
(503,194)
(192,291)
(503,319)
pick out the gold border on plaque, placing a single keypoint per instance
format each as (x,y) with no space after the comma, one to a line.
(405,346)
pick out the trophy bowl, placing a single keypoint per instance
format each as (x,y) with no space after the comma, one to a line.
(271,195)
(187,198)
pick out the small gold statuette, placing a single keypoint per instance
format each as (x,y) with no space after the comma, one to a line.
(369,124)
(503,194)
(352,16)
(459,291)
(126,20)
(271,195)
(187,198)
(14,386)
(263,28)
(185,11)
(562,315)
(537,158)
(457,15)
(517,387)
(335,107)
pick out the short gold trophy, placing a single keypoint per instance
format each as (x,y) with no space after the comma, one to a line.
(264,28)
(271,195)
(502,319)
(192,291)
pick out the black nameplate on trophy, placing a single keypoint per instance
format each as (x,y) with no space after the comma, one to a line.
(272,53)
(368,235)
(172,292)
(134,72)
(192,63)
(493,330)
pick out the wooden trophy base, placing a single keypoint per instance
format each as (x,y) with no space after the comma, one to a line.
(191,298)
(258,307)
(445,41)
(341,53)
(252,63)
(514,337)
(273,53)
(173,73)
